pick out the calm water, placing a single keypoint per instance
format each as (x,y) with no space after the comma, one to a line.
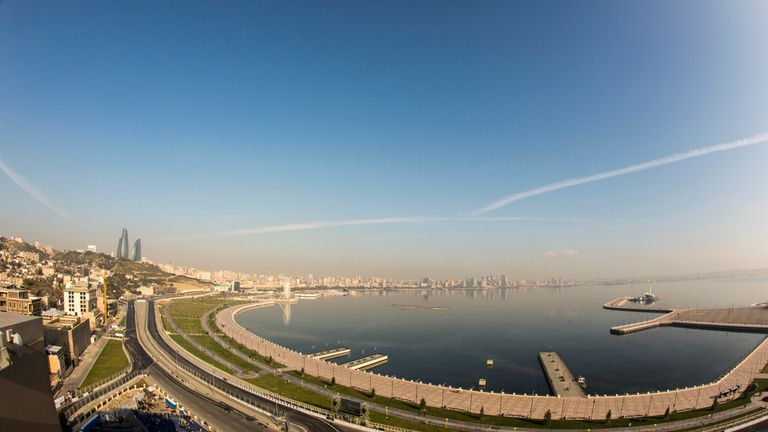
(511,326)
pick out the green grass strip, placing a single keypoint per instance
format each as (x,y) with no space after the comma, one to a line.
(179,339)
(111,361)
(214,347)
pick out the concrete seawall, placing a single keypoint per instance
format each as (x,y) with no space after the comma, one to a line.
(493,403)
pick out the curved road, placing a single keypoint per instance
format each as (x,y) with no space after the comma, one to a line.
(306,421)
(225,416)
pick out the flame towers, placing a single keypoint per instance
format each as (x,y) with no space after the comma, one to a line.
(136,256)
(123,248)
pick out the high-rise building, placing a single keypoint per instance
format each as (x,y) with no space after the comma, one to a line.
(124,248)
(79,298)
(136,250)
(126,251)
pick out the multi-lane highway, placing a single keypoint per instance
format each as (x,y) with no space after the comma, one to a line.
(205,380)
(222,416)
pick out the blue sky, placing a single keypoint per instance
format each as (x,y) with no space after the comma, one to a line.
(189,118)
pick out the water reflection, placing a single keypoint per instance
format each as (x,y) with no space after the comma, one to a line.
(286,307)
(447,335)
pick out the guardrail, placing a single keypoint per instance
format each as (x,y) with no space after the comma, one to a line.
(88,398)
(101,382)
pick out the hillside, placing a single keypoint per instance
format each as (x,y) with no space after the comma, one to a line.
(15,247)
(126,275)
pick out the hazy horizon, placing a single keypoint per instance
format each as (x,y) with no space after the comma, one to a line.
(399,140)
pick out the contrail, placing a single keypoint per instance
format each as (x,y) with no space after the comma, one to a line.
(32,190)
(757,139)
(380,221)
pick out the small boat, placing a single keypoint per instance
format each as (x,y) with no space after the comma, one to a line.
(649,297)
(489,362)
(582,382)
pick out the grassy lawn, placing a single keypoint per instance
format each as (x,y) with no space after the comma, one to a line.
(187,313)
(403,423)
(250,353)
(212,324)
(197,353)
(278,385)
(188,325)
(219,350)
(111,361)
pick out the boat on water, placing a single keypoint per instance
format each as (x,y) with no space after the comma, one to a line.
(582,382)
(649,297)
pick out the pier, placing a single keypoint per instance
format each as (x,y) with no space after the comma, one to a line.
(330,353)
(621,304)
(743,318)
(560,378)
(366,363)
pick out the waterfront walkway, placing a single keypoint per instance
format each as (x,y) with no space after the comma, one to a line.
(593,407)
(742,318)
(465,426)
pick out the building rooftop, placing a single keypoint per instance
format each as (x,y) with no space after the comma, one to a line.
(10,319)
(53,349)
(52,313)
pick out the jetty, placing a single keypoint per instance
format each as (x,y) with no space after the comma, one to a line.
(560,378)
(622,304)
(330,353)
(366,363)
(740,318)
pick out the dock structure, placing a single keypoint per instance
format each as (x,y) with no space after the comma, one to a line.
(561,381)
(620,304)
(368,362)
(330,353)
(743,318)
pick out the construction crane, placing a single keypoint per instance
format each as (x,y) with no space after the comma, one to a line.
(106,311)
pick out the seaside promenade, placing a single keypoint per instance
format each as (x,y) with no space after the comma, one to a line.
(593,407)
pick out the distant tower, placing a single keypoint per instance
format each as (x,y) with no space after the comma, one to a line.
(123,247)
(136,250)
(286,291)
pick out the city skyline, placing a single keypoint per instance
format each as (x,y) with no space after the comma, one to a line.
(569,142)
(385,216)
